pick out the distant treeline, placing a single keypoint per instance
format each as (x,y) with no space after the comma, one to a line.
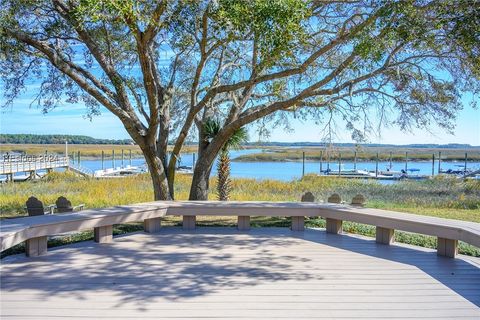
(57,139)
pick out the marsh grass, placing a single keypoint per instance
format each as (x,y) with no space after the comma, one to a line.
(363,154)
(442,197)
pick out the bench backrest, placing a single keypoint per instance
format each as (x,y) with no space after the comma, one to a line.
(34,207)
(63,205)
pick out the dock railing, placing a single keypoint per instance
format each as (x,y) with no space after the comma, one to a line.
(11,165)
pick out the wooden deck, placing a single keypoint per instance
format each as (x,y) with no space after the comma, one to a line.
(225,273)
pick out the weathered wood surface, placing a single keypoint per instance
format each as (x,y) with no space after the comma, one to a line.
(16,230)
(228,274)
(445,228)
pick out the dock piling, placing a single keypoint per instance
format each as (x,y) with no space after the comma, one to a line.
(406,162)
(355,161)
(439,162)
(303,164)
(433,164)
(339,163)
(103,160)
(376,166)
(321,152)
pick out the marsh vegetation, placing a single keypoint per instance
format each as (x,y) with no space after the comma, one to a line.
(441,197)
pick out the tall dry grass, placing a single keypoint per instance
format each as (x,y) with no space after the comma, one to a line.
(441,197)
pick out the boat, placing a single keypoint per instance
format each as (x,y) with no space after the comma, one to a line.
(185,169)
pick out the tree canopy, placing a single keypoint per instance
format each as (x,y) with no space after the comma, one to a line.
(165,68)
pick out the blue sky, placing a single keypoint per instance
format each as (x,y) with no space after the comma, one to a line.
(69,119)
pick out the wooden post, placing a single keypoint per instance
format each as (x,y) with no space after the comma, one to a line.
(384,235)
(152,225)
(113,158)
(303,164)
(298,223)
(390,160)
(321,161)
(103,234)
(130,157)
(193,161)
(447,247)
(11,169)
(103,160)
(243,223)
(35,247)
(122,159)
(66,151)
(376,166)
(78,158)
(339,163)
(189,222)
(73,159)
(406,162)
(465,168)
(433,164)
(355,161)
(334,225)
(439,162)
(328,161)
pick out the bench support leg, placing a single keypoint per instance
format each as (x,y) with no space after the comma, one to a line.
(152,225)
(243,223)
(36,246)
(298,224)
(385,235)
(189,222)
(447,247)
(103,234)
(334,226)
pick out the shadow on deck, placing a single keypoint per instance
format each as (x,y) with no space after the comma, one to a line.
(269,268)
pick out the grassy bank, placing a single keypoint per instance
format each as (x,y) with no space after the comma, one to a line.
(441,197)
(94,151)
(276,154)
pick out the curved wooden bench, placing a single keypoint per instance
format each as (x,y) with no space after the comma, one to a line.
(35,229)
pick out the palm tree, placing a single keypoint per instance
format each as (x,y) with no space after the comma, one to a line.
(224,184)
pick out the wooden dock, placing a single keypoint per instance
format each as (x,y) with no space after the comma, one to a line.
(32,165)
(266,273)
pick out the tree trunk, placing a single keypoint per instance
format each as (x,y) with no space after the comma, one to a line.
(201,180)
(157,173)
(223,180)
(207,152)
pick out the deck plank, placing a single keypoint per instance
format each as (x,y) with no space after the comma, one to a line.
(225,273)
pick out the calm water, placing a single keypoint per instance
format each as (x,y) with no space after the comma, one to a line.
(290,170)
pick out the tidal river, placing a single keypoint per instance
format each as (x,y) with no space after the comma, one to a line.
(290,170)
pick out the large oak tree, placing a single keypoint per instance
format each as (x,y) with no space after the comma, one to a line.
(165,68)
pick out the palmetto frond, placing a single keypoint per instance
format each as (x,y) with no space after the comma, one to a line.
(240,136)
